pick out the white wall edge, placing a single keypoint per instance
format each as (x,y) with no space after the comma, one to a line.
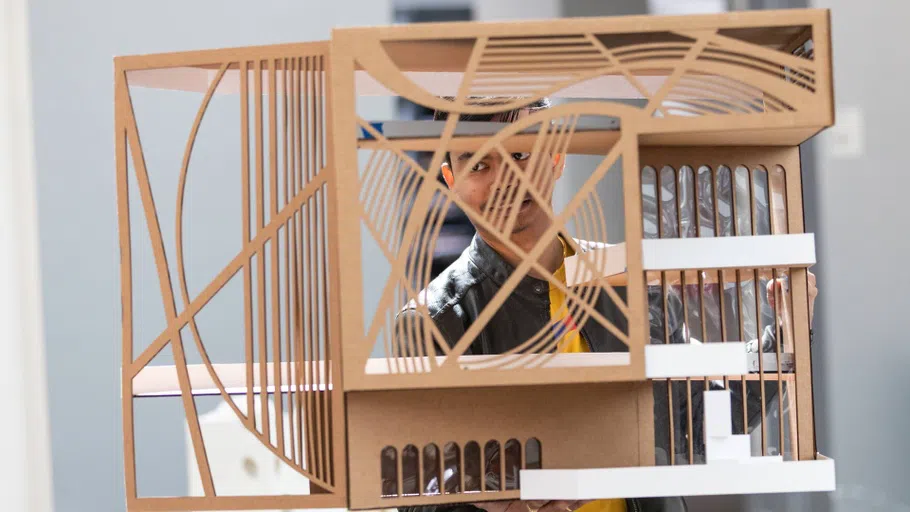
(25,477)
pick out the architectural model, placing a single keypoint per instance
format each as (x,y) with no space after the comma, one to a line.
(702,116)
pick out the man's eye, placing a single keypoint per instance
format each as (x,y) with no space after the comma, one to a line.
(518,157)
(480,166)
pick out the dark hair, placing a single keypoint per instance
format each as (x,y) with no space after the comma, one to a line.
(507,116)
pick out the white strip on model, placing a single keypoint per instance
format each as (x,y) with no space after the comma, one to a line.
(791,250)
(764,459)
(718,415)
(661,361)
(695,360)
(795,250)
(437,83)
(749,477)
(162,380)
(736,448)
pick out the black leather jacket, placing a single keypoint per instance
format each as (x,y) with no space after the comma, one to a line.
(458,295)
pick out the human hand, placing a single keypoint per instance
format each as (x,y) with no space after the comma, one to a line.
(782,288)
(813,292)
(531,506)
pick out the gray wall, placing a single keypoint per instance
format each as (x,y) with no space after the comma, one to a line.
(864,416)
(73,45)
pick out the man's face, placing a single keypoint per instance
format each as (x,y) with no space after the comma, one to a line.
(491,187)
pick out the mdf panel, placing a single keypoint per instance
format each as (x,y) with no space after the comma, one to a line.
(577,426)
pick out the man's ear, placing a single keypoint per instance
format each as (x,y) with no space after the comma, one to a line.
(559,164)
(447,175)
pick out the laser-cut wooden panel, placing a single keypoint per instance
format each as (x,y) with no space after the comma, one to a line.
(403,237)
(589,425)
(748,81)
(290,335)
(721,81)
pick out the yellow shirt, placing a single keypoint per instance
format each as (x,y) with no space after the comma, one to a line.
(572,342)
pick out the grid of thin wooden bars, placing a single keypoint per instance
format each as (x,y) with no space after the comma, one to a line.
(736,202)
(287,108)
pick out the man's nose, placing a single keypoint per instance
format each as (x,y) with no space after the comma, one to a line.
(501,172)
(507,177)
(506,174)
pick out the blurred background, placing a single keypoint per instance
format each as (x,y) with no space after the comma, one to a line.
(854,180)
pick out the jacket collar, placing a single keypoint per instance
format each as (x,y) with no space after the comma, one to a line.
(498,270)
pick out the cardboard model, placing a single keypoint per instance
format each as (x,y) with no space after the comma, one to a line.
(702,118)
